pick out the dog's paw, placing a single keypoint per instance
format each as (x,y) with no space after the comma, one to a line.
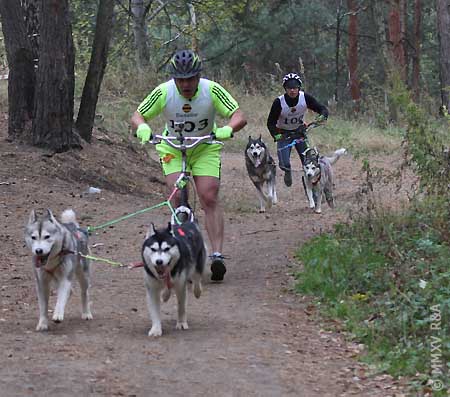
(182,325)
(58,317)
(262,210)
(42,325)
(165,295)
(197,290)
(155,331)
(312,205)
(86,316)
(318,211)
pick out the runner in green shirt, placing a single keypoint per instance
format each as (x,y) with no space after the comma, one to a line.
(194,101)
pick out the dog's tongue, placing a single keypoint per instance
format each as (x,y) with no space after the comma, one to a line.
(257,163)
(168,280)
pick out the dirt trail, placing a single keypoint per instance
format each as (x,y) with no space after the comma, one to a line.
(251,336)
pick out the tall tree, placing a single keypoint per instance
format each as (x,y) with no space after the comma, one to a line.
(55,80)
(395,37)
(443,24)
(97,65)
(21,67)
(339,16)
(417,44)
(352,58)
(139,12)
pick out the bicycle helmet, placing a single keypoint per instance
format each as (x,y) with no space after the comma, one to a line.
(185,64)
(292,80)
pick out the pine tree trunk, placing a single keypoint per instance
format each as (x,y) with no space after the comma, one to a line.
(355,91)
(338,48)
(443,23)
(417,42)
(21,68)
(97,65)
(52,125)
(140,33)
(395,37)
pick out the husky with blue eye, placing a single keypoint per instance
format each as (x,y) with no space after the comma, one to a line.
(319,178)
(58,250)
(172,257)
(261,169)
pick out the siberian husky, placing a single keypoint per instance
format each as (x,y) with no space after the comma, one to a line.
(172,257)
(57,254)
(319,177)
(262,171)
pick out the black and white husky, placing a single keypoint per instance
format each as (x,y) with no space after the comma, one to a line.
(58,250)
(172,257)
(319,179)
(262,171)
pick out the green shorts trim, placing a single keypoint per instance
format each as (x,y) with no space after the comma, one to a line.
(203,160)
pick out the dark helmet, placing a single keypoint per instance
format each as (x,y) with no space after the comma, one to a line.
(185,64)
(292,80)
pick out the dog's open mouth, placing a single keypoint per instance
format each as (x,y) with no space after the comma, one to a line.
(41,260)
(162,271)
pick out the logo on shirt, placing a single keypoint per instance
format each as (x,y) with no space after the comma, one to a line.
(187,108)
(293,109)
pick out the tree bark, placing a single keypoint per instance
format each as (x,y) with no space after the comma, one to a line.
(443,24)
(139,13)
(416,56)
(338,47)
(97,65)
(21,68)
(53,121)
(193,23)
(380,37)
(395,37)
(352,59)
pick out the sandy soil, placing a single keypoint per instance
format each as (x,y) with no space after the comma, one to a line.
(250,336)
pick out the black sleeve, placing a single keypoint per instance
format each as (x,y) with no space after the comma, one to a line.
(315,106)
(275,112)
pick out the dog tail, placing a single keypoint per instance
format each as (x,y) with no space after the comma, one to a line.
(338,153)
(68,216)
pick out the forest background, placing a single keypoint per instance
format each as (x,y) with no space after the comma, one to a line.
(73,65)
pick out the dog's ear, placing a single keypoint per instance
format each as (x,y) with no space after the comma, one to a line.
(260,137)
(151,231)
(249,138)
(50,216)
(170,229)
(32,217)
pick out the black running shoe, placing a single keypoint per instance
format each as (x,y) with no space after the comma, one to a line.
(218,268)
(287,178)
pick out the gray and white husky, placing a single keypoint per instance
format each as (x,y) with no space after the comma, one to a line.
(172,257)
(262,171)
(319,178)
(56,248)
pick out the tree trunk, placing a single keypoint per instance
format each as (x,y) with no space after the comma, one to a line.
(443,24)
(395,38)
(355,91)
(380,37)
(403,8)
(140,33)
(52,125)
(338,47)
(21,71)
(97,65)
(193,23)
(416,56)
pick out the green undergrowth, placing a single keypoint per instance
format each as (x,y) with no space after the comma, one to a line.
(388,281)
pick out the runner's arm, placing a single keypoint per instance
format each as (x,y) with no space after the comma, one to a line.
(227,106)
(272,119)
(150,106)
(315,106)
